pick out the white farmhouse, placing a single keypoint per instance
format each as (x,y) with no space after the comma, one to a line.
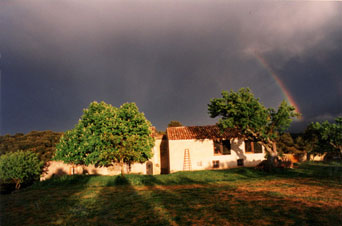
(205,147)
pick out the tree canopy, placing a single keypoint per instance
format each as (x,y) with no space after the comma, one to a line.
(105,135)
(327,134)
(174,123)
(295,143)
(250,118)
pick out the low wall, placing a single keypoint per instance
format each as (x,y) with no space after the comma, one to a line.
(293,158)
(317,157)
(58,168)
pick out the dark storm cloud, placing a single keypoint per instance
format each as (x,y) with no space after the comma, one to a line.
(314,77)
(169,57)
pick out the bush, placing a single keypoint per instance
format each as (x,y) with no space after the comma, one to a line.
(20,167)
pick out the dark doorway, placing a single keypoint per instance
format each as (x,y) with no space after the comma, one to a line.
(164,156)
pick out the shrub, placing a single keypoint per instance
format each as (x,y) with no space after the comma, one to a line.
(20,167)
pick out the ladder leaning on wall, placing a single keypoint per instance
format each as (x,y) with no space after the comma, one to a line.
(187,161)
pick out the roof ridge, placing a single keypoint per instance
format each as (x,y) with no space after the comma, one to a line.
(191,126)
(197,132)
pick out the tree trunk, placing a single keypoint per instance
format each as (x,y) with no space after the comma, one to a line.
(272,157)
(17,184)
(122,167)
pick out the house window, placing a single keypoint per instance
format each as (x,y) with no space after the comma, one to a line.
(240,162)
(252,147)
(222,147)
(216,164)
(257,148)
(248,146)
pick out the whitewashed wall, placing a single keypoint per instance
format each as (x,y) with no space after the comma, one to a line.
(202,155)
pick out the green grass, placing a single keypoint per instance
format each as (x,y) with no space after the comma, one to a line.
(179,178)
(308,195)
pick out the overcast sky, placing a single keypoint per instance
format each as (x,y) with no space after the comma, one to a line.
(170,57)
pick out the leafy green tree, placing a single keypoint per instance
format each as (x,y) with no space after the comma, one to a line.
(174,124)
(314,142)
(302,146)
(292,143)
(251,120)
(20,167)
(328,134)
(285,143)
(105,135)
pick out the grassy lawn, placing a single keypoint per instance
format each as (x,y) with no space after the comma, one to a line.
(308,195)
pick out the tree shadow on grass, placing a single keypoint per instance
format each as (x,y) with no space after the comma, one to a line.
(45,203)
(177,203)
(178,200)
(115,203)
(182,200)
(222,205)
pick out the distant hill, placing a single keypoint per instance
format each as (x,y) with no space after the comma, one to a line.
(41,142)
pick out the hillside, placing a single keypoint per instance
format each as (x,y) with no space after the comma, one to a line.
(41,142)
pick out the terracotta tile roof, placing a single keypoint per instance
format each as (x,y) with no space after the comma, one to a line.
(197,132)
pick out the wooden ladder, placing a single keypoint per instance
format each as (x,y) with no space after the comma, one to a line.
(187,161)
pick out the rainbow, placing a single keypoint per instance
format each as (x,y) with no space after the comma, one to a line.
(280,83)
